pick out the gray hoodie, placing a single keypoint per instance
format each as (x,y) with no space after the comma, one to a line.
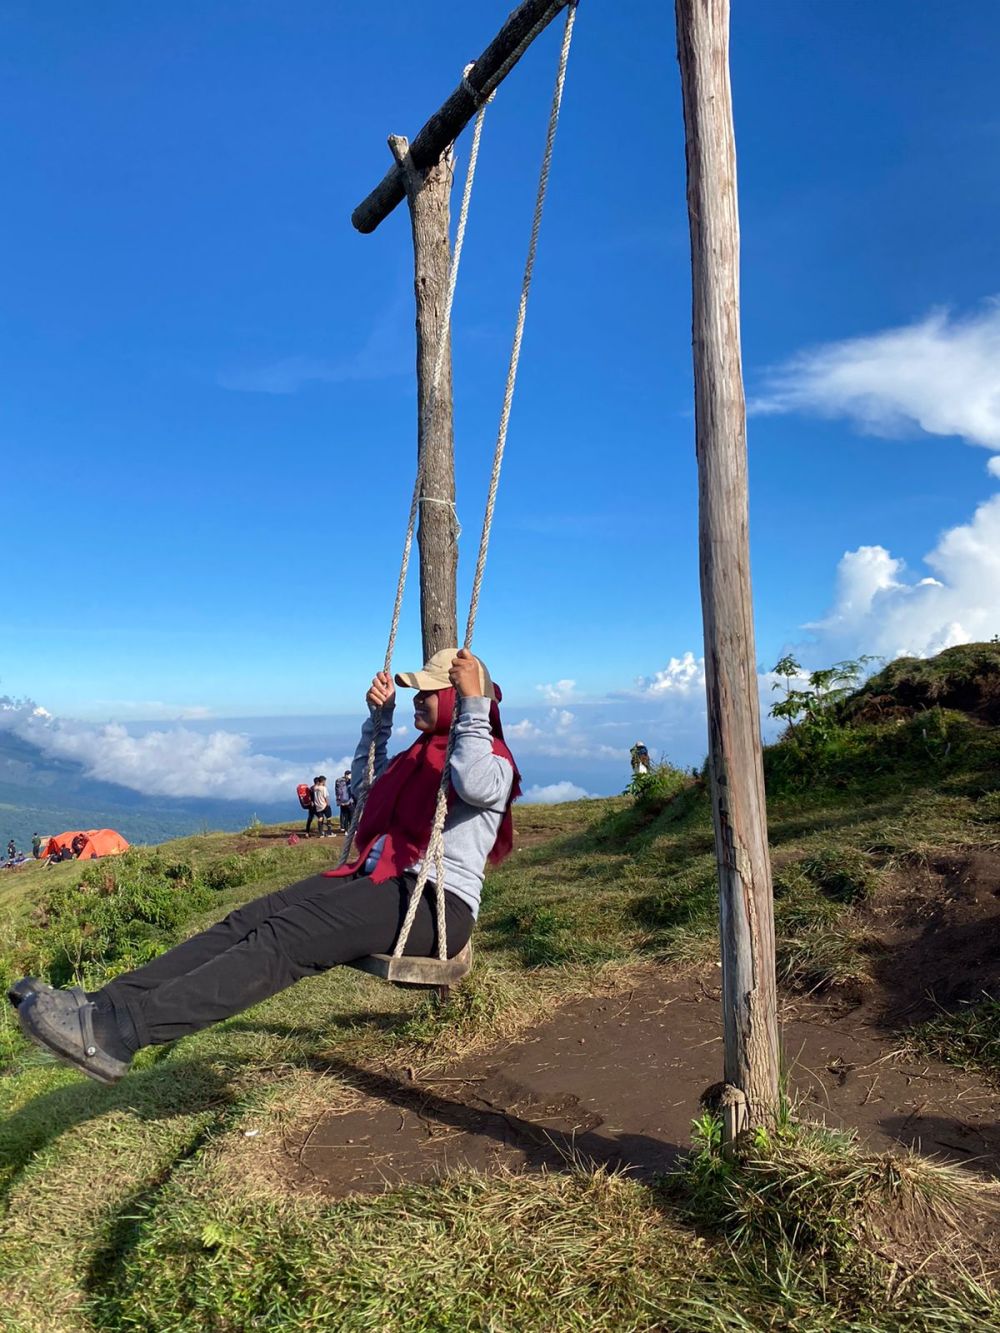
(481,781)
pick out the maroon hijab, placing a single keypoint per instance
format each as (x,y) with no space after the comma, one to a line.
(401,802)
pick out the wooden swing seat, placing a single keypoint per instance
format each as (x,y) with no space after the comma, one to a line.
(422,973)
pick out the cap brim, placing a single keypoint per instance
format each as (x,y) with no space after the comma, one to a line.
(425,680)
(420,680)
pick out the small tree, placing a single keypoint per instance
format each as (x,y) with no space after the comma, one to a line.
(811,713)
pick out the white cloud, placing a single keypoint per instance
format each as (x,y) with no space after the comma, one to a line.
(879,609)
(555,793)
(523,730)
(169,762)
(993,466)
(560,692)
(683,676)
(941,374)
(561,734)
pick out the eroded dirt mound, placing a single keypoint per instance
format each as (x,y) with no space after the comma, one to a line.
(938,927)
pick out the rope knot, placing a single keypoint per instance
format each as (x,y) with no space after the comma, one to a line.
(477,98)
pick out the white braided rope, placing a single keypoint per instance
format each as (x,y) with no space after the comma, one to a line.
(522,310)
(415,501)
(435,847)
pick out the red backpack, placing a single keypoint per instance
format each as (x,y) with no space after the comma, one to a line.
(305,795)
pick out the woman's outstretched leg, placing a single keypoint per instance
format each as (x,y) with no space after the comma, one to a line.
(207,944)
(335,924)
(319,924)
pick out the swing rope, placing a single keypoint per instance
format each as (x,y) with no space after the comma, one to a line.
(435,847)
(417,499)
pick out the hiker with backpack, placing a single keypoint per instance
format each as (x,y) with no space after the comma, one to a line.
(305,795)
(321,808)
(344,796)
(329,919)
(639,757)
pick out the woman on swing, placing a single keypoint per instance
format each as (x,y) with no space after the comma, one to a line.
(333,917)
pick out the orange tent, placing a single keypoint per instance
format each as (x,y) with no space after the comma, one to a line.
(99,842)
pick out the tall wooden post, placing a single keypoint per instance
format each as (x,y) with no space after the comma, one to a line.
(427,194)
(735,760)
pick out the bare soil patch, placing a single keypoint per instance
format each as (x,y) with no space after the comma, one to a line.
(939,929)
(616,1079)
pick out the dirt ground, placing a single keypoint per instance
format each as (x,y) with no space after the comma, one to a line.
(616,1079)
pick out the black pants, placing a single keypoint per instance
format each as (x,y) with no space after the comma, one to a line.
(346,814)
(273,941)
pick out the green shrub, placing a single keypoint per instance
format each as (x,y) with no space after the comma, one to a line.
(661,784)
(247,867)
(966,678)
(120,913)
(230,872)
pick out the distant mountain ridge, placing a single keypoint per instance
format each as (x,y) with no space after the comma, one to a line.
(41,794)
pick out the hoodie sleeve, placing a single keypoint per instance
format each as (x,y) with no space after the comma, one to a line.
(360,765)
(479,777)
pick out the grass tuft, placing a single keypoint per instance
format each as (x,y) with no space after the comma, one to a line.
(969,1037)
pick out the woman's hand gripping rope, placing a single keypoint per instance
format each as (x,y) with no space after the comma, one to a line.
(382,691)
(465,675)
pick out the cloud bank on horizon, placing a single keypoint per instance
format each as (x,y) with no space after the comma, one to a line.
(556,793)
(175,761)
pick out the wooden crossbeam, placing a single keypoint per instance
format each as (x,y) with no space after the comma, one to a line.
(447,123)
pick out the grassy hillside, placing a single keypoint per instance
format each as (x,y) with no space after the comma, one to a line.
(177,1201)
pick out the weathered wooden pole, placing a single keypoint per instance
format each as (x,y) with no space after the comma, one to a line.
(746,913)
(427,194)
(422,174)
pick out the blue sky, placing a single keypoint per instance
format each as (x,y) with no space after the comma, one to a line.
(208,422)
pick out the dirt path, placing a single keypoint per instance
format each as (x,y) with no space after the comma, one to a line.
(617,1079)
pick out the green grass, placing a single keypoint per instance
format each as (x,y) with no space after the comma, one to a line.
(789,1236)
(969,1037)
(160,1204)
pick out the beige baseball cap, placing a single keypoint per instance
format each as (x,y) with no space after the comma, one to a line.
(433,675)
